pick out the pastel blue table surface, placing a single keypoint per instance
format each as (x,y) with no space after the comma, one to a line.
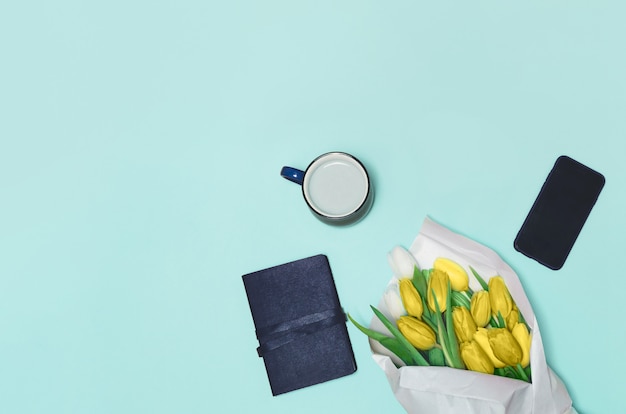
(140,150)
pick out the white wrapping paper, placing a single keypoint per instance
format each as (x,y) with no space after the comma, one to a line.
(439,390)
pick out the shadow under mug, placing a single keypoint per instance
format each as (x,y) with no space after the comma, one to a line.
(335,186)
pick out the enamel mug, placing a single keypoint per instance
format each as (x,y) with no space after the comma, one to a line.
(335,186)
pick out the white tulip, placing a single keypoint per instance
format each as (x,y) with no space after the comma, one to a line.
(402,262)
(393,301)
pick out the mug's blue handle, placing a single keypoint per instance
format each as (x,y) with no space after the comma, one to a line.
(293,174)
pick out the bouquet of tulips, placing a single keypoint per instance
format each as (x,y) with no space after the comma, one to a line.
(438,320)
(455,332)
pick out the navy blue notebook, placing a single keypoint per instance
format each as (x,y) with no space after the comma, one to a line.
(300,325)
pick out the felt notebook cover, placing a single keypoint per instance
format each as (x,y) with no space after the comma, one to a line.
(300,325)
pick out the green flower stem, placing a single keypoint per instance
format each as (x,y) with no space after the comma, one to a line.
(436,358)
(511,373)
(522,373)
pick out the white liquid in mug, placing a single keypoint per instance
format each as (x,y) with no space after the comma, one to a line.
(336,185)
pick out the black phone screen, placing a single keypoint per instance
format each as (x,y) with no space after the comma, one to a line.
(559,212)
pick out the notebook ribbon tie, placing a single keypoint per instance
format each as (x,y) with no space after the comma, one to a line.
(280,334)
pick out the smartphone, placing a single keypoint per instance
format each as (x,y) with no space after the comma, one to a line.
(559,212)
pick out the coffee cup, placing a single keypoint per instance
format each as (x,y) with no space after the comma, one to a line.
(335,186)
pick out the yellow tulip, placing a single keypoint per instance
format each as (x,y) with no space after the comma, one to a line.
(475,358)
(420,335)
(482,339)
(523,337)
(464,325)
(480,307)
(500,297)
(513,318)
(504,346)
(411,298)
(459,280)
(438,282)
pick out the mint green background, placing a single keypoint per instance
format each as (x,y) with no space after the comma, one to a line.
(140,146)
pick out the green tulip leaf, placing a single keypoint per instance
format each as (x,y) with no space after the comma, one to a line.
(522,320)
(440,332)
(418,359)
(369,332)
(528,373)
(459,299)
(480,279)
(419,281)
(428,318)
(453,343)
(398,349)
(501,321)
(426,274)
(391,344)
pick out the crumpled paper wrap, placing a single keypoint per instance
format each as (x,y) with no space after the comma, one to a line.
(439,390)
